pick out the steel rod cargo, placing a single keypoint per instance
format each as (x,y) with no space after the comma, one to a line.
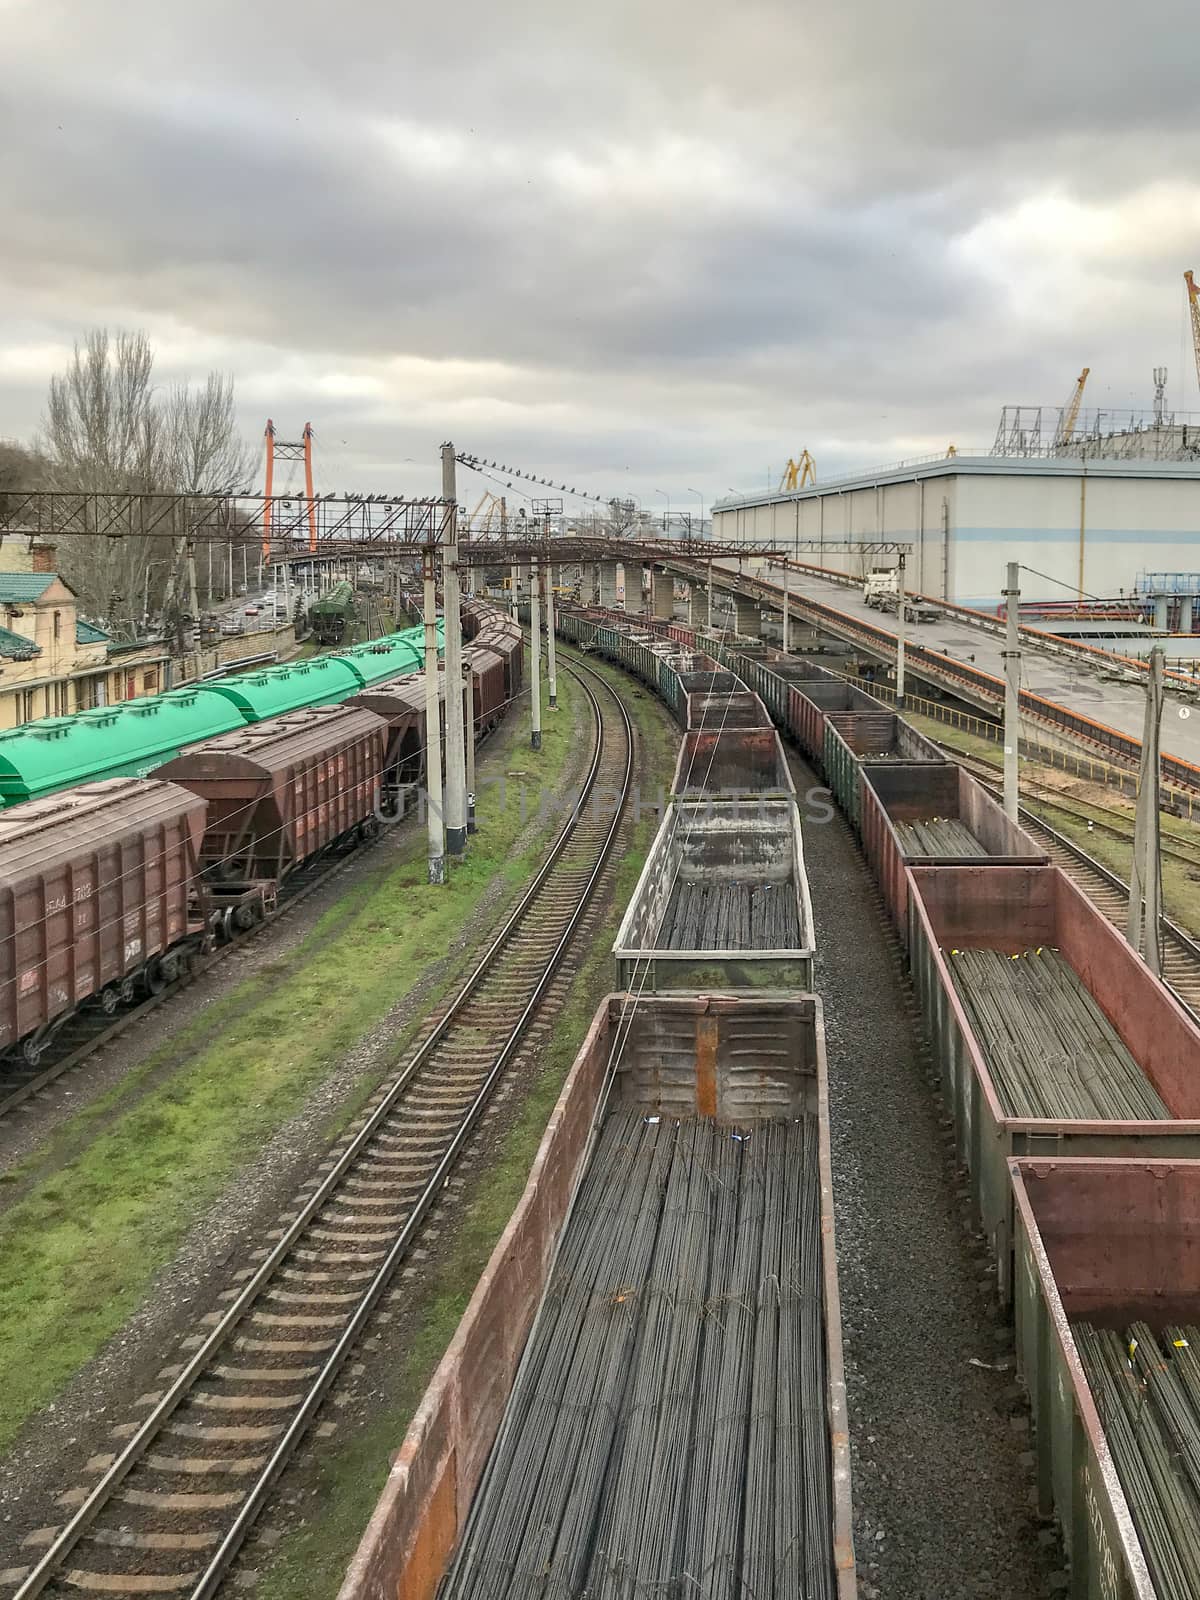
(896,795)
(743,1064)
(1012,910)
(1105,1244)
(732,879)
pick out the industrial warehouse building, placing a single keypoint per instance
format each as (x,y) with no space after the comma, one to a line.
(1089,526)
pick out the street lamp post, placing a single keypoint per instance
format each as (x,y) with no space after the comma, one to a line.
(699,497)
(667,518)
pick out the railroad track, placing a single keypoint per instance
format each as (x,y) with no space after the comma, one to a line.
(1181,953)
(168,1514)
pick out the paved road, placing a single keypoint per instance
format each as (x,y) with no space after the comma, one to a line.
(1078,687)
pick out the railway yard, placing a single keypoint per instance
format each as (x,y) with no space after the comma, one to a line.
(711,1188)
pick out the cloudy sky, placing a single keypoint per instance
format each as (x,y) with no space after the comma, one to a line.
(647,245)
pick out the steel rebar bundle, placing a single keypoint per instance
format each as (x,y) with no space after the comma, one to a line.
(937,836)
(731,916)
(1147,1392)
(668,1433)
(1050,1049)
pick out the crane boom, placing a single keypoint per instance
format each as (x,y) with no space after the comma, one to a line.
(1194,307)
(798,473)
(1070,414)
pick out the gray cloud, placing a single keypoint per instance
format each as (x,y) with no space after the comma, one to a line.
(670,241)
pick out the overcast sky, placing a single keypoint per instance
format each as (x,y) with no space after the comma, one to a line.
(640,244)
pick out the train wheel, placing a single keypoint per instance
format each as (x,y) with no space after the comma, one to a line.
(108,1000)
(244,917)
(30,1050)
(128,989)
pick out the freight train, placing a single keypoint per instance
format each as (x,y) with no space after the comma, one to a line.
(1069,1071)
(136,736)
(333,615)
(108,888)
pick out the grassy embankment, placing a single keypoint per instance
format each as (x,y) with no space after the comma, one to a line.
(351,1470)
(128,1176)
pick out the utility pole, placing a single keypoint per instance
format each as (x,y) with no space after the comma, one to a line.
(787,578)
(550,671)
(433,728)
(193,597)
(1012,691)
(710,594)
(1145,880)
(456,763)
(900,632)
(469,680)
(535,629)
(515,580)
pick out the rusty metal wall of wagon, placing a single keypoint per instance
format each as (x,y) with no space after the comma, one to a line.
(739,763)
(738,709)
(425,1504)
(892,792)
(1013,909)
(1111,1242)
(279,792)
(809,701)
(94,883)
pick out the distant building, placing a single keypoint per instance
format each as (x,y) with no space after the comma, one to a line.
(52,661)
(1089,526)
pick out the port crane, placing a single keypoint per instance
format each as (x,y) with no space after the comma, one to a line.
(1194,307)
(798,473)
(1070,415)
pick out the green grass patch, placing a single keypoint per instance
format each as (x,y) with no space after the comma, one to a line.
(78,1252)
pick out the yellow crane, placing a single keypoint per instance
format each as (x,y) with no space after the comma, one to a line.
(1070,414)
(1194,307)
(798,473)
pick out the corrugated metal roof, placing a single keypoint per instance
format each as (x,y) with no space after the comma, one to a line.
(16,648)
(18,586)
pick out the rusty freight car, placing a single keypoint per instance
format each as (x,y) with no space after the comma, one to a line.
(278,794)
(95,888)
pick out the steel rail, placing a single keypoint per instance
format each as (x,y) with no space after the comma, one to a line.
(48,1567)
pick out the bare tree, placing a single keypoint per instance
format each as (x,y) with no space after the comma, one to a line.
(107,430)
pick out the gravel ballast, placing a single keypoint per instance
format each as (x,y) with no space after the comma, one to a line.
(942,1474)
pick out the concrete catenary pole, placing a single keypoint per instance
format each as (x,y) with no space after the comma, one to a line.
(787,579)
(1145,881)
(433,731)
(1012,691)
(901,619)
(535,652)
(456,762)
(516,590)
(710,594)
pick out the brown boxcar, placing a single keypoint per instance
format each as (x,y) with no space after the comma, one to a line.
(401,703)
(488,690)
(891,792)
(1012,909)
(94,890)
(279,792)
